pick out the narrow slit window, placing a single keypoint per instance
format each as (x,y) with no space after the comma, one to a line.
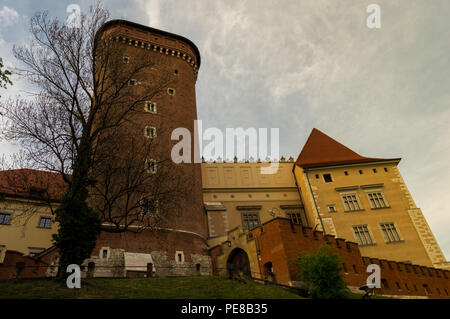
(150,107)
(150,131)
(150,166)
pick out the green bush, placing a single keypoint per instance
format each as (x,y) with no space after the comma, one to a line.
(322,273)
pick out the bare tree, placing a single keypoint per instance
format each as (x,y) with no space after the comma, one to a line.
(85,123)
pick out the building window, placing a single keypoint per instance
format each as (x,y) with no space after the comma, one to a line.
(344,267)
(250,220)
(398,286)
(374,170)
(377,200)
(5,219)
(295,217)
(332,208)
(179,257)
(150,166)
(351,202)
(427,290)
(390,232)
(132,82)
(327,178)
(346,173)
(360,172)
(104,253)
(45,222)
(149,206)
(171,91)
(317,176)
(126,59)
(150,107)
(175,72)
(384,284)
(150,132)
(385,169)
(362,235)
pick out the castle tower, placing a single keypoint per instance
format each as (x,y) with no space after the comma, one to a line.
(176,245)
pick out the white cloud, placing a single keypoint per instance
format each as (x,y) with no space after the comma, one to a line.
(8,16)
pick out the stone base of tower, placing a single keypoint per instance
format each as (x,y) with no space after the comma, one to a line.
(149,253)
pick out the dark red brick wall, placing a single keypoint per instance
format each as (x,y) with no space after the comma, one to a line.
(281,243)
(33,267)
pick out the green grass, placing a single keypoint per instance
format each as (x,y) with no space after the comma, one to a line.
(142,288)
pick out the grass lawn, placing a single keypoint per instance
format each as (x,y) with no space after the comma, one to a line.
(140,288)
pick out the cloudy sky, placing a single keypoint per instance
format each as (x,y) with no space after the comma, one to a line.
(301,64)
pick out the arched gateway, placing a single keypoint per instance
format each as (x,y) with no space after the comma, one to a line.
(238,263)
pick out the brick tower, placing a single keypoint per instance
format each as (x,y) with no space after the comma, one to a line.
(177,245)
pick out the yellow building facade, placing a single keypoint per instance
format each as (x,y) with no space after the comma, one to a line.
(26,220)
(238,194)
(26,226)
(329,188)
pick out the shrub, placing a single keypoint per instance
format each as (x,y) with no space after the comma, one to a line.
(322,273)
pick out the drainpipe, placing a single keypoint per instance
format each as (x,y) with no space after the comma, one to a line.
(314,200)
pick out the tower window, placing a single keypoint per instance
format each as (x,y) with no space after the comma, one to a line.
(331,208)
(374,170)
(150,132)
(175,72)
(360,171)
(385,169)
(126,59)
(179,257)
(346,173)
(132,82)
(104,253)
(149,206)
(150,107)
(150,166)
(327,178)
(171,91)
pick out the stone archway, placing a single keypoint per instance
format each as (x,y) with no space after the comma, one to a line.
(238,263)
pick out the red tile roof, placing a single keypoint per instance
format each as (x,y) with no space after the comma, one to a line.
(321,150)
(32,183)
